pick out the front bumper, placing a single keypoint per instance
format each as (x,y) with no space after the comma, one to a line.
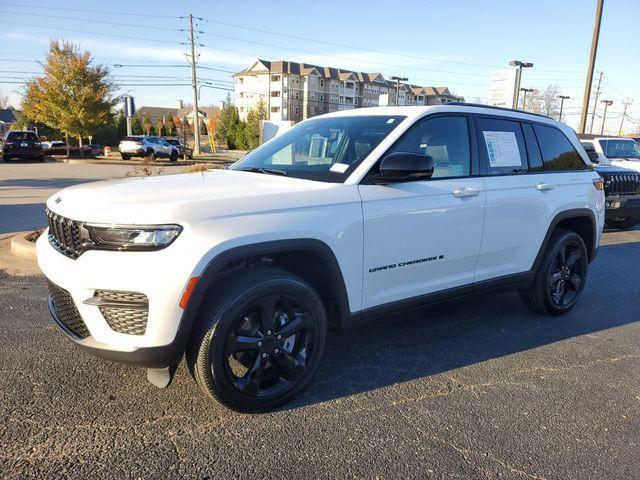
(622,206)
(160,275)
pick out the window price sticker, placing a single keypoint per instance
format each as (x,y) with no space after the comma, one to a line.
(502,148)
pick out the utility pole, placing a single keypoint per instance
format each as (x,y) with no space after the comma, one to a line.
(604,116)
(626,104)
(194,82)
(595,102)
(516,93)
(524,98)
(398,80)
(592,63)
(562,99)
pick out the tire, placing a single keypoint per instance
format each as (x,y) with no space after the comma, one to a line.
(560,277)
(41,158)
(264,370)
(5,159)
(174,156)
(622,223)
(125,156)
(151,155)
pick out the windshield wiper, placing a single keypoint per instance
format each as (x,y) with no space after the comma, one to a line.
(273,171)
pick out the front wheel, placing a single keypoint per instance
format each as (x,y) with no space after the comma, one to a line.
(622,223)
(560,277)
(151,155)
(260,340)
(174,156)
(125,156)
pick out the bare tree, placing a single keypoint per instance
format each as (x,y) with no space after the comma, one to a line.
(549,101)
(4,101)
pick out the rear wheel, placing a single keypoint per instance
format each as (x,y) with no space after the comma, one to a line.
(622,223)
(125,156)
(5,159)
(151,155)
(174,156)
(259,341)
(561,276)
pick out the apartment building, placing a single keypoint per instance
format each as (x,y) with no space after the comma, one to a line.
(295,91)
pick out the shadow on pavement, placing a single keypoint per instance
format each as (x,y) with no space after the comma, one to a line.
(448,336)
(22,217)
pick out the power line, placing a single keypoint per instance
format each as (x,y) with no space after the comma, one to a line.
(104,12)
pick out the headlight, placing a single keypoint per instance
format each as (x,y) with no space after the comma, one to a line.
(131,237)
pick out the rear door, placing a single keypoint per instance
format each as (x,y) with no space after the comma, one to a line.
(424,236)
(517,207)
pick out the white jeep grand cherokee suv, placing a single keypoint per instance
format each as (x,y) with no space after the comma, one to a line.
(344,217)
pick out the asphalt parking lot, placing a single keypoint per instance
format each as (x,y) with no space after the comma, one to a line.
(480,388)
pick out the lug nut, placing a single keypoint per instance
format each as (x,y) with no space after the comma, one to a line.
(276,351)
(268,332)
(259,344)
(264,355)
(279,337)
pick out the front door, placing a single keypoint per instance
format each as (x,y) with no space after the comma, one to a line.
(424,236)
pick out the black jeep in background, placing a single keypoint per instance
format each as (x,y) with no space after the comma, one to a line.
(22,144)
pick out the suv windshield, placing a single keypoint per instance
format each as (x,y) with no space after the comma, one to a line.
(620,148)
(325,149)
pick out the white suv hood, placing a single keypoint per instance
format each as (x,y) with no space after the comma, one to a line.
(630,164)
(186,197)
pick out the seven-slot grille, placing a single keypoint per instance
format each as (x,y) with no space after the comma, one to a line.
(66,311)
(125,312)
(622,183)
(64,235)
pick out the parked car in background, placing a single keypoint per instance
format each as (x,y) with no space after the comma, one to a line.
(54,147)
(148,147)
(22,144)
(622,191)
(185,149)
(344,217)
(613,151)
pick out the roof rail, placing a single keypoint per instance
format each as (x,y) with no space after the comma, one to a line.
(481,105)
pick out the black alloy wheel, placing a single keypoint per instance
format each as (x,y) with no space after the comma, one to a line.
(560,276)
(259,340)
(567,275)
(269,346)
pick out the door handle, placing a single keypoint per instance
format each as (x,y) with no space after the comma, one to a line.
(466,192)
(544,186)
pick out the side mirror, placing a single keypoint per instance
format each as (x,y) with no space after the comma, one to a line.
(404,167)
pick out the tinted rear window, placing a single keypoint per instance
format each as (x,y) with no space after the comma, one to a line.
(22,137)
(174,142)
(132,139)
(557,151)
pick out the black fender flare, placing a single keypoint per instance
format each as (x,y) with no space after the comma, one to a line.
(567,215)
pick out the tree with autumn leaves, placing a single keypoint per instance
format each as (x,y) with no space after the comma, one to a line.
(74,96)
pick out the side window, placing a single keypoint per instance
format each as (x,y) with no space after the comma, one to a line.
(557,151)
(446,139)
(502,146)
(533,150)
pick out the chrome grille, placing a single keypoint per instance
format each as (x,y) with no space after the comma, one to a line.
(125,312)
(66,311)
(64,234)
(621,183)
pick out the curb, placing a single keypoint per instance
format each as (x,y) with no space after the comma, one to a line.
(21,247)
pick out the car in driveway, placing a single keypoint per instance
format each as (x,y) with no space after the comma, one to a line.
(147,147)
(22,144)
(345,217)
(54,147)
(622,191)
(615,151)
(183,146)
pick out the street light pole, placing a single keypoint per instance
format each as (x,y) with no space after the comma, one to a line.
(516,93)
(562,99)
(194,82)
(592,63)
(398,80)
(604,116)
(524,98)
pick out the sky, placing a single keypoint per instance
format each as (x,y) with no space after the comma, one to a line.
(456,43)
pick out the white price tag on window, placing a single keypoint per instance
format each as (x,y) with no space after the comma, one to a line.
(339,167)
(502,149)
